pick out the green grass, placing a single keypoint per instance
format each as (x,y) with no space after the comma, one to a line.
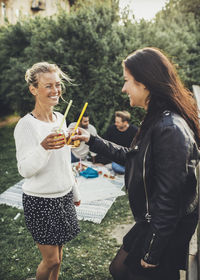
(87,257)
(8,165)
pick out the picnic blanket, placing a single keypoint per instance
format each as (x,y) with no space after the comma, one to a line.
(97,195)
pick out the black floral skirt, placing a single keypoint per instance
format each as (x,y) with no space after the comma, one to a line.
(51,221)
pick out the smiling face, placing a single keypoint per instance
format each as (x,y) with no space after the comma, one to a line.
(137,92)
(48,90)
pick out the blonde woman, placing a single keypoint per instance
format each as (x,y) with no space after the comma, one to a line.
(49,190)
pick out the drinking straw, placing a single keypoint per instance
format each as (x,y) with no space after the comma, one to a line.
(80,165)
(65,115)
(79,119)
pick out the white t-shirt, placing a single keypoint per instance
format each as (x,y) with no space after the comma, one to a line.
(47,173)
(83,150)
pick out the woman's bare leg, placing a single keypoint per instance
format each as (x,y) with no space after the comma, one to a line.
(50,261)
(55,272)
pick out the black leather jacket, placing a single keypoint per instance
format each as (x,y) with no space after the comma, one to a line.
(160,178)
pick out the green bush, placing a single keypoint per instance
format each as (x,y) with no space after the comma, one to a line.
(90,44)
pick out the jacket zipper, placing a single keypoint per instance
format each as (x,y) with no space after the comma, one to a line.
(147,216)
(151,242)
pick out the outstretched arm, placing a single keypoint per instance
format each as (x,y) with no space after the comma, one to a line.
(99,145)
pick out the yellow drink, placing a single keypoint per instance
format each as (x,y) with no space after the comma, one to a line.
(60,137)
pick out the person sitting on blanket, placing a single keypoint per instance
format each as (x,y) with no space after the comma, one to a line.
(82,152)
(121,133)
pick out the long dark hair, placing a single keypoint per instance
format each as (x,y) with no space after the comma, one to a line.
(152,68)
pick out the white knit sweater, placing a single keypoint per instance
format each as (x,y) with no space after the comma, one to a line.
(47,173)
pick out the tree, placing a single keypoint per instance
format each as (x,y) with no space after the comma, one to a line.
(90,44)
(13,41)
(178,31)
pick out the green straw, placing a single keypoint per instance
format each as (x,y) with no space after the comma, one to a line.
(65,115)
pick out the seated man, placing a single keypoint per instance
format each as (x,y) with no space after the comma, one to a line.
(82,151)
(121,133)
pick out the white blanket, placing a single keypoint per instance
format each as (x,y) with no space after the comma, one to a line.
(97,195)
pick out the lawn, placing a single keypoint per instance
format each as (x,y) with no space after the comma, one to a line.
(86,257)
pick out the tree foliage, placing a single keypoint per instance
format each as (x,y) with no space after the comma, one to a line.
(90,44)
